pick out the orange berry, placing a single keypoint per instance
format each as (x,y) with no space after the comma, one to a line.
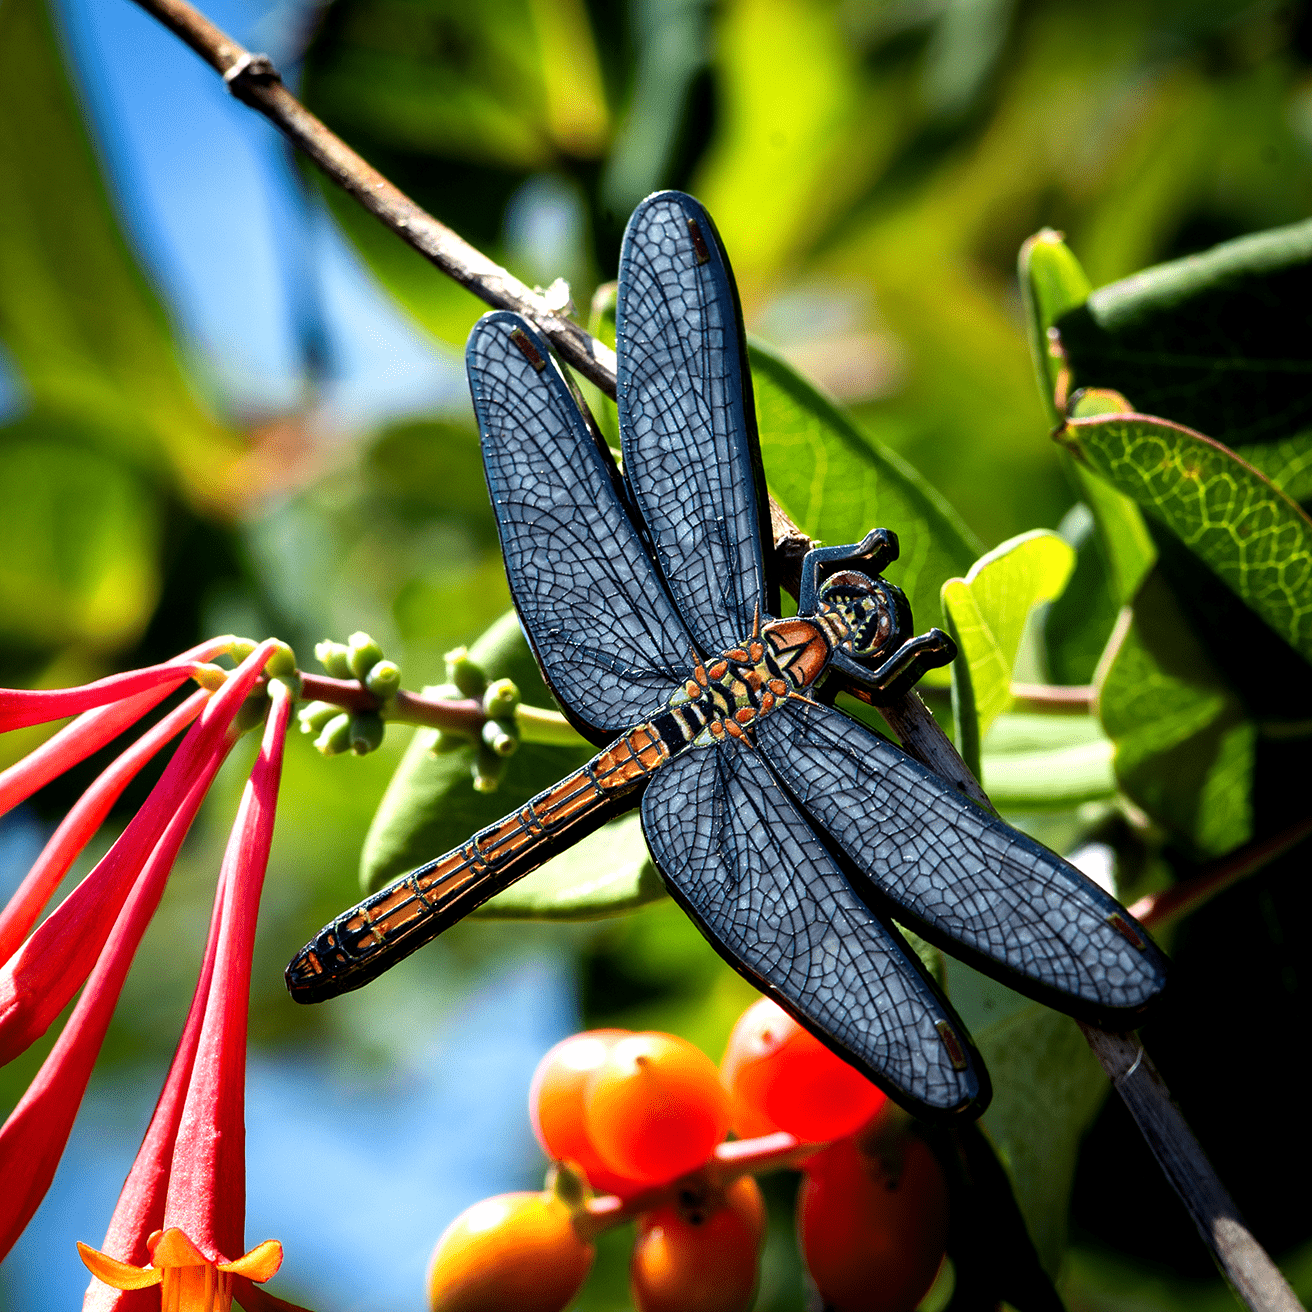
(555,1107)
(700,1254)
(781,1077)
(872,1232)
(655,1108)
(516,1251)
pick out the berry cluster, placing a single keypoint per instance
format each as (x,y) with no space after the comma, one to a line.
(636,1125)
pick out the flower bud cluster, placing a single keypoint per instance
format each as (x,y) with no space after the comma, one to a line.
(358,731)
(499,737)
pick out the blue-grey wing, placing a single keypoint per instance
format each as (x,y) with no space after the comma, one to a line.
(962,877)
(753,875)
(687,421)
(594,606)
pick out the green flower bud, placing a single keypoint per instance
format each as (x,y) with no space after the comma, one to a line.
(365,654)
(240,648)
(252,711)
(335,737)
(281,663)
(384,679)
(315,715)
(501,736)
(500,698)
(212,677)
(366,732)
(488,769)
(334,657)
(464,673)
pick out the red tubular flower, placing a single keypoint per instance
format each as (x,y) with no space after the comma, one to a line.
(20,707)
(32,1140)
(38,981)
(183,1207)
(73,743)
(82,821)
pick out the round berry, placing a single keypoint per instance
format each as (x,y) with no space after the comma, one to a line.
(555,1107)
(700,1254)
(516,1251)
(873,1230)
(781,1077)
(655,1108)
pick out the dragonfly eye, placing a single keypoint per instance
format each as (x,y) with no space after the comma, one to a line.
(874,612)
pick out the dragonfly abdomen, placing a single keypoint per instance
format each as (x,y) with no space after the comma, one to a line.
(397,920)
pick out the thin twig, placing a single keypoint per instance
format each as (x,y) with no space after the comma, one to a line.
(1156,910)
(253,79)
(1076,699)
(729,1162)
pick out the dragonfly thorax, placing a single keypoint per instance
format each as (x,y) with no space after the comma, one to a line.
(725,696)
(863,616)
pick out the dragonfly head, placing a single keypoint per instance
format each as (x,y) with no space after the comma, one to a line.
(874,613)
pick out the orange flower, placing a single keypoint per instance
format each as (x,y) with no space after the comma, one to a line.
(190,1282)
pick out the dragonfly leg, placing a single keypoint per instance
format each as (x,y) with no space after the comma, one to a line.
(892,679)
(873,553)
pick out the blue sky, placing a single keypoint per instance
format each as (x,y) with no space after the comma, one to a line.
(242,258)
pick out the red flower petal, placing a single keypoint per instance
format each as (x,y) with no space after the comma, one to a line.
(86,816)
(20,707)
(207,1182)
(139,1213)
(32,1140)
(37,982)
(73,743)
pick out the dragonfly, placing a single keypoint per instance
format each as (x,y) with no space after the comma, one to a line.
(796,838)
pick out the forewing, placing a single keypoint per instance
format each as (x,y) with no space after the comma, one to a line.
(687,419)
(966,879)
(752,873)
(591,600)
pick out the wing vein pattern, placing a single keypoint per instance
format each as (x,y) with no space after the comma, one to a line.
(958,871)
(688,424)
(590,597)
(758,881)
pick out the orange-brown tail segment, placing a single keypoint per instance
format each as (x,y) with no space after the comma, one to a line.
(397,920)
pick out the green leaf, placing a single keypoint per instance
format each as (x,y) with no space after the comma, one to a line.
(837,483)
(79,540)
(474,82)
(1078,624)
(84,330)
(1221,341)
(604,874)
(986,613)
(1046,762)
(1052,283)
(1232,518)
(1047,1088)
(1185,751)
(1287,463)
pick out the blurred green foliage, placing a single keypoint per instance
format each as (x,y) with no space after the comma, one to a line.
(873,167)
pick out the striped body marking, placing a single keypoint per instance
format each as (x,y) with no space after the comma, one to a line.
(722,697)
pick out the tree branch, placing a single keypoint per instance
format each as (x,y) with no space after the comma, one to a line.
(253,80)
